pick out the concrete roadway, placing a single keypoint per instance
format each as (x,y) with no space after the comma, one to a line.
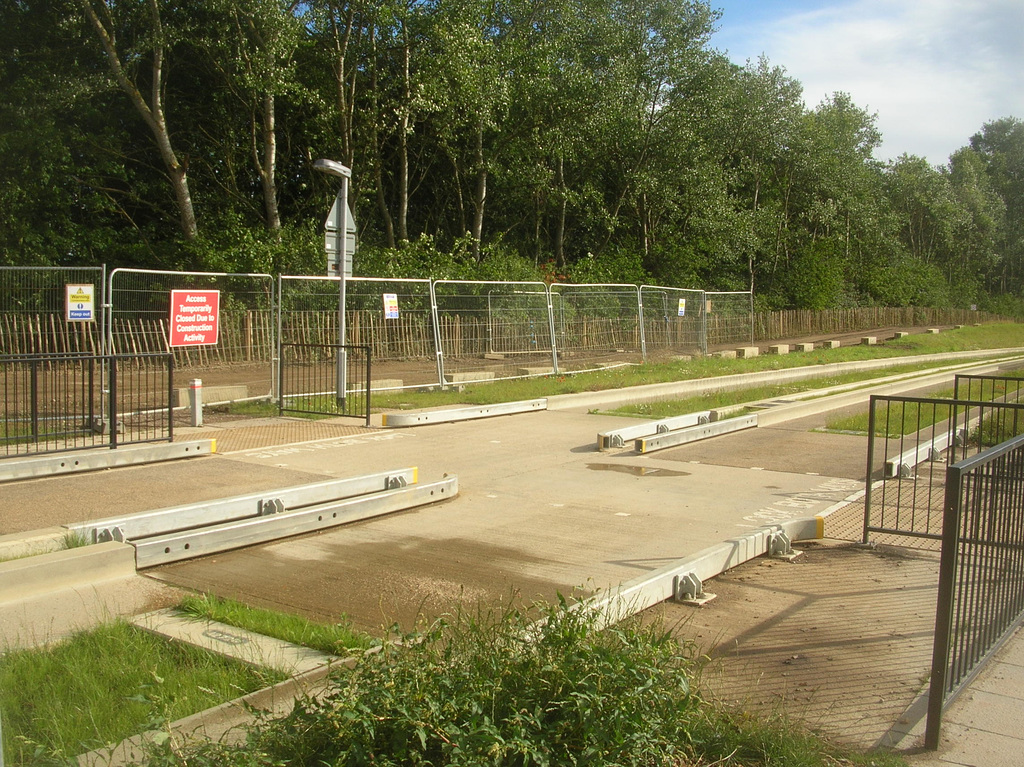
(539,512)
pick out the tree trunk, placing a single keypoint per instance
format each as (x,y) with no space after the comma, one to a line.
(480,196)
(403,148)
(268,169)
(152,113)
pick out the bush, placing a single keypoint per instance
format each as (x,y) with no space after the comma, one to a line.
(498,690)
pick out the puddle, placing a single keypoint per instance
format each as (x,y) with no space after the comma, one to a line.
(637,471)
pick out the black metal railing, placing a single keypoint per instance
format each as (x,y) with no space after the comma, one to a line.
(54,403)
(325,379)
(981,572)
(910,442)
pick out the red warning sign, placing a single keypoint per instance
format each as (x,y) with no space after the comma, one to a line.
(195,317)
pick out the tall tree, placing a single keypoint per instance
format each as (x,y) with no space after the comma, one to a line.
(149,41)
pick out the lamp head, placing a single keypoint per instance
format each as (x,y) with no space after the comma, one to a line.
(332,168)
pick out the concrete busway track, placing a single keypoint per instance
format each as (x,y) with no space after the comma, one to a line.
(540,512)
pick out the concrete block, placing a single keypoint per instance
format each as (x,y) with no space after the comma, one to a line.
(746,352)
(493,356)
(41,574)
(805,347)
(933,330)
(469,375)
(868,340)
(17,545)
(386,383)
(900,334)
(958,327)
(831,344)
(213,394)
(729,354)
(535,371)
(778,349)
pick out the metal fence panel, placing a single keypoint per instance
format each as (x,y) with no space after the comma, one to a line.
(32,310)
(673,321)
(910,441)
(596,325)
(491,330)
(981,573)
(59,402)
(309,380)
(139,322)
(729,317)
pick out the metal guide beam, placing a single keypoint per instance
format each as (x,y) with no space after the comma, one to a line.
(619,437)
(159,521)
(173,547)
(422,418)
(695,433)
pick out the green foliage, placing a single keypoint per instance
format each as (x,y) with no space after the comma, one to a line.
(493,689)
(105,685)
(610,140)
(335,639)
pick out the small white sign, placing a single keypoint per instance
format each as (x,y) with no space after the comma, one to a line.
(682,307)
(391,306)
(79,303)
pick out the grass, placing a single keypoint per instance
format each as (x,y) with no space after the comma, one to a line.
(897,419)
(336,639)
(105,685)
(497,688)
(995,336)
(718,399)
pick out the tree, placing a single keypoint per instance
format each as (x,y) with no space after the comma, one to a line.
(149,40)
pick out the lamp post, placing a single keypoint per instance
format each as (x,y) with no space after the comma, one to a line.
(333,168)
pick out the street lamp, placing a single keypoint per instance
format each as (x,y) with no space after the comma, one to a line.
(340,224)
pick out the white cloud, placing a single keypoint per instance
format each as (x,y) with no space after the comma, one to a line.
(933,70)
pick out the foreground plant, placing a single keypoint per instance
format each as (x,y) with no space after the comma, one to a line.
(507,689)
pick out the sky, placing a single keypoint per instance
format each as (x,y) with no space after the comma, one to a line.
(933,71)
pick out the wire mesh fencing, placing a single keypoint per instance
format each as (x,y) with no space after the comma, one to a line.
(141,320)
(596,325)
(673,321)
(489,330)
(393,318)
(36,313)
(729,318)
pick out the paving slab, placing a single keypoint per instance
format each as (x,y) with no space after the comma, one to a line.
(233,642)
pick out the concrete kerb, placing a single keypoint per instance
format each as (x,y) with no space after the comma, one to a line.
(45,573)
(102,458)
(224,723)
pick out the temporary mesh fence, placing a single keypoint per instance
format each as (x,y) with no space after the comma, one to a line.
(673,320)
(33,302)
(392,317)
(596,325)
(491,330)
(729,318)
(139,321)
